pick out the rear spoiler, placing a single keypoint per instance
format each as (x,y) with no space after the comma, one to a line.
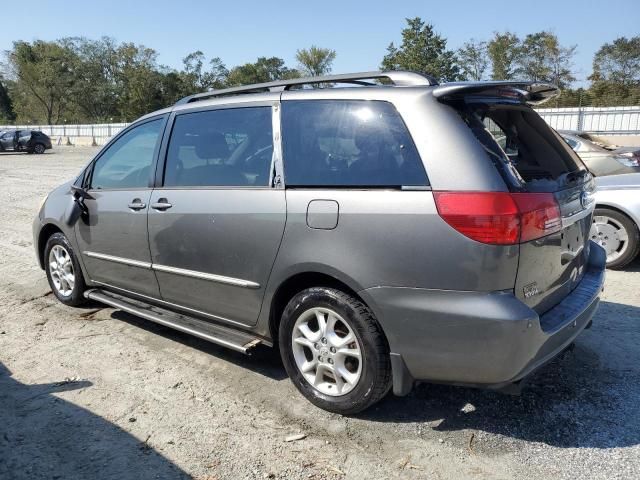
(533,93)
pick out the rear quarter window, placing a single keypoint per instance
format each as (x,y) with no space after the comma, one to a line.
(342,143)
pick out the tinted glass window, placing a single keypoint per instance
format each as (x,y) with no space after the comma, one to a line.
(127,161)
(230,147)
(572,143)
(348,143)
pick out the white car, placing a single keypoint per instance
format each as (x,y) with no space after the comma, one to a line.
(617,217)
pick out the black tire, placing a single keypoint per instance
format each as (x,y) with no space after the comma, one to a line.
(39,148)
(633,235)
(375,377)
(75,297)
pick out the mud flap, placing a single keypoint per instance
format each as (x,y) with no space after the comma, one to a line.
(402,379)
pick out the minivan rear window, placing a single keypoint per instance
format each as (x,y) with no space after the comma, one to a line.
(344,143)
(529,153)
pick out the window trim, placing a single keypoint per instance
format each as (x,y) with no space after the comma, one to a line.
(425,187)
(275,169)
(87,173)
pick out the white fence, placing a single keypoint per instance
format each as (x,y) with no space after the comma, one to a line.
(603,120)
(97,130)
(87,134)
(599,120)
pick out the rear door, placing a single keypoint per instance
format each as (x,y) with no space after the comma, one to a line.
(216,222)
(24,137)
(533,158)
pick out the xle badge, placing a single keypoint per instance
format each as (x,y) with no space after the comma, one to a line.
(530,290)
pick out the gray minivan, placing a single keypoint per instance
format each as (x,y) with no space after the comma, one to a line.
(374,231)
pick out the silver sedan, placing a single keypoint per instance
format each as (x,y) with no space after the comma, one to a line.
(617,217)
(603,161)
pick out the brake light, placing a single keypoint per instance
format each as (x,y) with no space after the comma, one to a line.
(500,218)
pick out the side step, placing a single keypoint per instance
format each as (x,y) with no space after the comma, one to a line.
(227,337)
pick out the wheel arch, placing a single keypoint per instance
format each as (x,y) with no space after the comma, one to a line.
(620,210)
(294,284)
(46,231)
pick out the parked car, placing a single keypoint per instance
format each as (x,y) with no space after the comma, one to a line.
(607,144)
(378,236)
(617,218)
(29,141)
(603,161)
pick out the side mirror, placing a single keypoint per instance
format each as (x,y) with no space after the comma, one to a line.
(79,208)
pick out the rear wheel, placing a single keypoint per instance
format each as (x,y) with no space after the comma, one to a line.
(38,148)
(63,271)
(617,234)
(334,350)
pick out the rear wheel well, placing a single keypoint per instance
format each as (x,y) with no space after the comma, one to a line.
(45,233)
(295,284)
(616,209)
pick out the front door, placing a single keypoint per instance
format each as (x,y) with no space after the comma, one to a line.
(7,140)
(113,237)
(216,223)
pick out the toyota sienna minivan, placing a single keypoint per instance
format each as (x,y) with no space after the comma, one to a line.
(375,232)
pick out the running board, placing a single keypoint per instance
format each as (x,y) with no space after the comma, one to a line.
(227,337)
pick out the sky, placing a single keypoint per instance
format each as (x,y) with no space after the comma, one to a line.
(240,31)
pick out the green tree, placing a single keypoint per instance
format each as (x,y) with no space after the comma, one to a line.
(139,81)
(616,73)
(315,61)
(44,75)
(618,61)
(263,70)
(543,59)
(197,79)
(422,50)
(94,89)
(473,59)
(6,106)
(503,51)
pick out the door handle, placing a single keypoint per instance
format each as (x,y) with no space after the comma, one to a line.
(137,205)
(161,204)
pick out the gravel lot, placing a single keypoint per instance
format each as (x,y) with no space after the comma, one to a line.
(97,393)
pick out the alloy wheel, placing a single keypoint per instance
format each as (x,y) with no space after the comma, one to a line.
(326,351)
(61,270)
(611,235)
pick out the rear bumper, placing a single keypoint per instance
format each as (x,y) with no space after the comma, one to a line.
(487,339)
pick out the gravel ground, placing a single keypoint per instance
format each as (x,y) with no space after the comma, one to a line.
(96,393)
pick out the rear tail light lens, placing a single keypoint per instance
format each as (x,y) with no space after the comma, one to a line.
(539,215)
(500,218)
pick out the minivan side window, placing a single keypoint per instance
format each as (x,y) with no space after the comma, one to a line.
(228,148)
(127,162)
(340,143)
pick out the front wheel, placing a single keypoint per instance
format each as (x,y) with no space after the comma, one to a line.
(334,350)
(63,271)
(617,234)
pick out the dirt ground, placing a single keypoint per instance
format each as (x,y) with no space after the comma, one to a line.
(96,393)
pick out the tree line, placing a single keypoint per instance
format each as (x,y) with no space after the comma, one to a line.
(75,80)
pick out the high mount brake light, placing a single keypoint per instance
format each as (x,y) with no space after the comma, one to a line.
(500,218)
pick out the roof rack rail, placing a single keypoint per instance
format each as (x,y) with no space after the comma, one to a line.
(398,78)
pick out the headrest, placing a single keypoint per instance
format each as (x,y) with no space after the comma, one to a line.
(368,136)
(211,144)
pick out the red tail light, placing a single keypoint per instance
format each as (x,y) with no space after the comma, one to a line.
(500,218)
